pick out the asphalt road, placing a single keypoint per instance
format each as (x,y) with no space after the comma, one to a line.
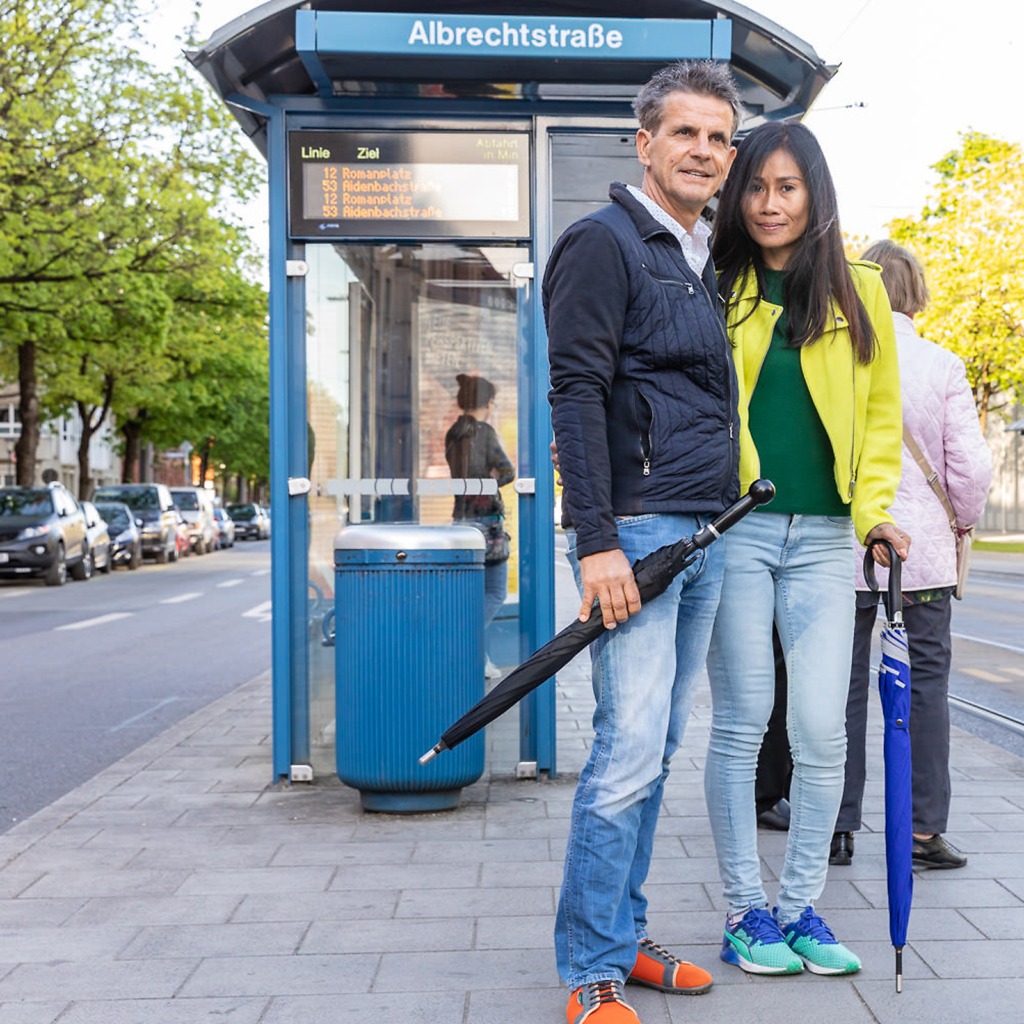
(988,648)
(90,671)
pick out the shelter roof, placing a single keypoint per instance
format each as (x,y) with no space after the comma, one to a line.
(255,59)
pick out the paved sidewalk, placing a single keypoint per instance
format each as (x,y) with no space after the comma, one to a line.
(178,887)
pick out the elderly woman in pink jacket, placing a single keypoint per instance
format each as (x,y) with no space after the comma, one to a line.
(939,413)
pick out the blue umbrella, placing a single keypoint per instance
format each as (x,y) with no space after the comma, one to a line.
(894,691)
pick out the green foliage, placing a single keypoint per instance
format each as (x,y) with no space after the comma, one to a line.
(970,238)
(118,263)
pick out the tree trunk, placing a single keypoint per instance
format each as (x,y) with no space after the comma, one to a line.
(92,418)
(131,431)
(28,412)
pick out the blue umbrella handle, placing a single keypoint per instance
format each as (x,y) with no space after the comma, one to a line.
(894,597)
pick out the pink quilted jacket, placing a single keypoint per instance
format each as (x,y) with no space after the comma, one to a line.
(939,411)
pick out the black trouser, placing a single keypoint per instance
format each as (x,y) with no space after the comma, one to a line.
(930,656)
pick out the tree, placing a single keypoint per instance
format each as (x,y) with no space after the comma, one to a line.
(970,237)
(107,167)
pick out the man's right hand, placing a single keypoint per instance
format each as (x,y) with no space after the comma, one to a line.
(608,577)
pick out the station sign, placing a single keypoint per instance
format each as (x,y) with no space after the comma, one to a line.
(503,36)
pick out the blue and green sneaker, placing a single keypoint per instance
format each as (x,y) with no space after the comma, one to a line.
(812,940)
(755,944)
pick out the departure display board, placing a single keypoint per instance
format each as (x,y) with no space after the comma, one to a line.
(407,184)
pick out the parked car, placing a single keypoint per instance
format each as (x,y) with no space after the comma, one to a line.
(225,528)
(153,504)
(250,521)
(196,506)
(98,537)
(43,533)
(125,535)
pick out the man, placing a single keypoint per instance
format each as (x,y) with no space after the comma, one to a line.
(644,414)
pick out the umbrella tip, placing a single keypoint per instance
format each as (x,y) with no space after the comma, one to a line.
(432,753)
(899,969)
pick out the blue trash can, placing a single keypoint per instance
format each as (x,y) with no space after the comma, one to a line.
(409,660)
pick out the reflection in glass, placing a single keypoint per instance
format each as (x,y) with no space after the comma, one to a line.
(389,328)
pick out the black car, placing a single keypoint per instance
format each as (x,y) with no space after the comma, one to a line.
(125,536)
(250,521)
(43,533)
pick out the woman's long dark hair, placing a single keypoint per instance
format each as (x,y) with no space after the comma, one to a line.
(817,271)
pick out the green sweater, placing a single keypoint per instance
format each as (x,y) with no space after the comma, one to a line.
(792,444)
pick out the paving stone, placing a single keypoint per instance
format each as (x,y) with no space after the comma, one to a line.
(281,975)
(388,936)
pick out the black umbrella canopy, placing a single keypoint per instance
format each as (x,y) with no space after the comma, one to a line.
(653,573)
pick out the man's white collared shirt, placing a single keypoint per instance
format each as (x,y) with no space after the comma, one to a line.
(693,244)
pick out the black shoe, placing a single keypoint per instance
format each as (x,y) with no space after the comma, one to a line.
(776,817)
(937,852)
(841,851)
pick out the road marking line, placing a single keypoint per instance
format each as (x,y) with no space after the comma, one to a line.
(261,572)
(143,714)
(988,643)
(230,583)
(98,621)
(261,612)
(985,677)
(181,597)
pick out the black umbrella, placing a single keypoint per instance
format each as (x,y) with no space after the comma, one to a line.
(653,573)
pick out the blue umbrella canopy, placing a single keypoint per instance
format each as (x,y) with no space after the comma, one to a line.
(894,692)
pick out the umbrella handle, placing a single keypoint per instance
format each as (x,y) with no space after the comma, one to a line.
(894,597)
(760,492)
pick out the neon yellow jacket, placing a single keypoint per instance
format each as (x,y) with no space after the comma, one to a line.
(859,404)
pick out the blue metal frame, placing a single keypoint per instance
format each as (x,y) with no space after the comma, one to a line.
(282,583)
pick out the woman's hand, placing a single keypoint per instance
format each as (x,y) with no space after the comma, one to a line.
(895,536)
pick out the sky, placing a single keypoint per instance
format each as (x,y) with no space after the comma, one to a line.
(914,75)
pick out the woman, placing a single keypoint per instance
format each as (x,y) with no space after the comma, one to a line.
(820,417)
(473,452)
(940,415)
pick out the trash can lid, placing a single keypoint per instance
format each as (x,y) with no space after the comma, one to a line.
(407,537)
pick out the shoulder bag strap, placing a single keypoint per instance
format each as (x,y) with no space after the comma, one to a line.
(931,476)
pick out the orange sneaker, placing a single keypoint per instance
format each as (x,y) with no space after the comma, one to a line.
(658,968)
(600,1002)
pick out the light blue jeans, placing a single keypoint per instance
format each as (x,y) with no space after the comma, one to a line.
(797,571)
(643,675)
(495,589)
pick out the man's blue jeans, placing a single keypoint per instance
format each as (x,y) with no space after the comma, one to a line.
(798,572)
(643,673)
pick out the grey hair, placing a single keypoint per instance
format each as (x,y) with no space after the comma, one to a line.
(902,275)
(698,77)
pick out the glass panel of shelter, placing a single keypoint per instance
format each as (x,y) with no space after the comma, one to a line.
(389,328)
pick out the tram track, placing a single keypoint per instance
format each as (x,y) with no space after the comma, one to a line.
(1006,718)
(990,715)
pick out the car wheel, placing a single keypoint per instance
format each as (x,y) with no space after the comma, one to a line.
(163,555)
(136,560)
(83,568)
(57,574)
(200,546)
(108,563)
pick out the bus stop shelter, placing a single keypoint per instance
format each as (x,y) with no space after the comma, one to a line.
(421,162)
